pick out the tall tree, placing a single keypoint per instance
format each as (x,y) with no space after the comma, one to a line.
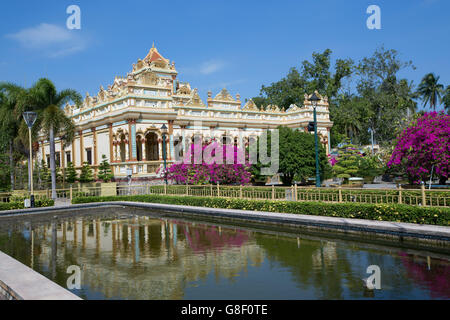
(314,75)
(10,120)
(446,99)
(430,90)
(389,100)
(48,102)
(297,157)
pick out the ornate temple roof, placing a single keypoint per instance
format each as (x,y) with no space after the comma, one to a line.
(224,95)
(154,55)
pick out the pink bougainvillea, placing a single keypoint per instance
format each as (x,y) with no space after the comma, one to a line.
(424,144)
(211,163)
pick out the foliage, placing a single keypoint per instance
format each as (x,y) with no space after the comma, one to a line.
(211,170)
(86,174)
(430,90)
(18,203)
(348,161)
(315,75)
(4,173)
(424,144)
(380,212)
(104,170)
(48,102)
(297,156)
(387,99)
(45,176)
(71,173)
(446,99)
(371,165)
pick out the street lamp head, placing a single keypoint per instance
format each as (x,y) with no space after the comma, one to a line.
(314,98)
(164,129)
(30,118)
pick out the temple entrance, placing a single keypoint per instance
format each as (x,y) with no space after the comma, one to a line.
(151,147)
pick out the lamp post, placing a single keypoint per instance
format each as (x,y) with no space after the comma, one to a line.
(164,133)
(314,99)
(30,118)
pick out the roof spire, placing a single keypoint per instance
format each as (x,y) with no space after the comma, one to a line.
(153,45)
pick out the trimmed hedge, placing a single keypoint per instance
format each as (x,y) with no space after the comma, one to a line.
(380,212)
(19,204)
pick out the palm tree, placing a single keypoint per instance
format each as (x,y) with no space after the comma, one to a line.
(430,90)
(446,99)
(44,99)
(10,94)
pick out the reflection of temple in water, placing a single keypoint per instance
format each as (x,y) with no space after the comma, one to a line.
(143,257)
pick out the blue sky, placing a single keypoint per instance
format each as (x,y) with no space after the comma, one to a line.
(239,45)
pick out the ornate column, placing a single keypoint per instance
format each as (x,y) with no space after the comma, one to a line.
(144,154)
(72,157)
(171,153)
(127,151)
(111,147)
(62,160)
(81,148)
(43,151)
(160,149)
(94,142)
(329,141)
(183,139)
(132,139)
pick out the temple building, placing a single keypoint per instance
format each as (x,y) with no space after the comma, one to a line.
(124,121)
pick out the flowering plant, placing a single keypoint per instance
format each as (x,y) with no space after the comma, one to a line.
(211,163)
(423,145)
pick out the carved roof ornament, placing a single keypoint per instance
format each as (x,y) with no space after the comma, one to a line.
(184,89)
(101,94)
(250,106)
(149,78)
(155,57)
(292,108)
(323,99)
(224,95)
(272,108)
(195,100)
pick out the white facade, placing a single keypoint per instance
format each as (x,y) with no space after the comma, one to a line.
(124,122)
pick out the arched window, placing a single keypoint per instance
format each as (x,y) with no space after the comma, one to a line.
(151,147)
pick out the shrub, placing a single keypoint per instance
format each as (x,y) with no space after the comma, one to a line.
(86,174)
(424,146)
(397,213)
(104,170)
(18,203)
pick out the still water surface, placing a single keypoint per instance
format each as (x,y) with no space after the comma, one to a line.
(124,255)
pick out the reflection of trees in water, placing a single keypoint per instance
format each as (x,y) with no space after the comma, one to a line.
(313,264)
(336,272)
(138,258)
(145,258)
(206,238)
(435,277)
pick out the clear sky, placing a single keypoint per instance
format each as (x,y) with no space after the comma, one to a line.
(239,45)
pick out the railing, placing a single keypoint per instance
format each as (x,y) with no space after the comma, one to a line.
(435,198)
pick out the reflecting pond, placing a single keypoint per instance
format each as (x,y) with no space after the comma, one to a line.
(138,254)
